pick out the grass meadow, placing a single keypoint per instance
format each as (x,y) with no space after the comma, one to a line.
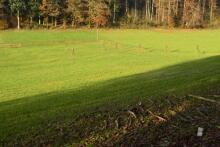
(55,76)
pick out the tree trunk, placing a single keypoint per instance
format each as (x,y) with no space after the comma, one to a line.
(39,20)
(184,14)
(31,20)
(18,19)
(169,14)
(146,9)
(55,22)
(64,23)
(159,13)
(73,23)
(212,7)
(152,10)
(114,15)
(47,22)
(97,33)
(52,20)
(177,6)
(203,7)
(163,12)
(135,9)
(126,7)
(89,17)
(126,10)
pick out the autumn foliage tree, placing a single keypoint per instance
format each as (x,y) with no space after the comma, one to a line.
(45,10)
(74,12)
(192,16)
(54,11)
(100,14)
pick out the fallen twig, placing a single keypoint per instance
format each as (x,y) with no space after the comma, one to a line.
(216,96)
(132,113)
(158,117)
(204,99)
(116,123)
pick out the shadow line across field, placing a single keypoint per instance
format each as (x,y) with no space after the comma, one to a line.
(32,115)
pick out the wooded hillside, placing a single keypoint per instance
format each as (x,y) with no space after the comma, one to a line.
(109,13)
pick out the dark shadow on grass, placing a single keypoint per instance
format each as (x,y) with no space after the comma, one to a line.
(34,114)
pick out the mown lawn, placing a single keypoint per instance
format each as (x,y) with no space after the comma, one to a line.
(54,76)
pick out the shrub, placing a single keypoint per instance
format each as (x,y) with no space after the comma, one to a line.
(3,24)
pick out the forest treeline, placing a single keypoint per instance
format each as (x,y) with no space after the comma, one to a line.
(108,13)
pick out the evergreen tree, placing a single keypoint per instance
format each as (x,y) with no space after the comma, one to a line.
(33,9)
(3,14)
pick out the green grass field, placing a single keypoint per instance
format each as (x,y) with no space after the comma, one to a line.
(55,76)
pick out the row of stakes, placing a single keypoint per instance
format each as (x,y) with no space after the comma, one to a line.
(141,47)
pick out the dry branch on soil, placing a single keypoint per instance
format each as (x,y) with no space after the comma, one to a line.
(204,99)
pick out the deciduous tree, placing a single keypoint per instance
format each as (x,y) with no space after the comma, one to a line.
(17,7)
